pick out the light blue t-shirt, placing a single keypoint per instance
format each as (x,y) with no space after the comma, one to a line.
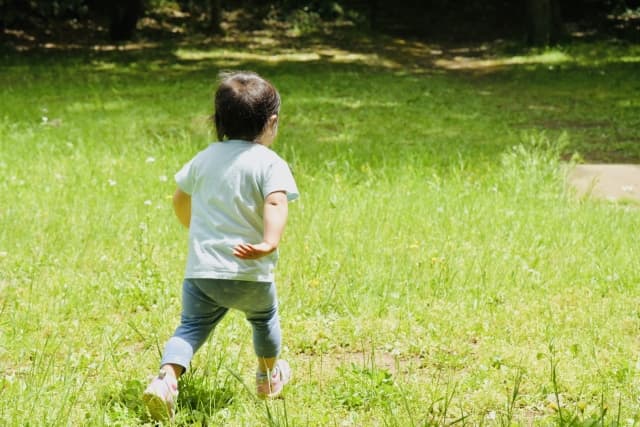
(228,183)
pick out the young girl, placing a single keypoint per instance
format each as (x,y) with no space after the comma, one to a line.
(233,198)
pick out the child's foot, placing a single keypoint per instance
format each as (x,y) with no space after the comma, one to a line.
(271,386)
(160,396)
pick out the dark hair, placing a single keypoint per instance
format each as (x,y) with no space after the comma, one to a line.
(244,102)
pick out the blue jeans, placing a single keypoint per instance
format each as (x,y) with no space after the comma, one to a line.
(204,304)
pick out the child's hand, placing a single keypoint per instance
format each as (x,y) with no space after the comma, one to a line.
(249,251)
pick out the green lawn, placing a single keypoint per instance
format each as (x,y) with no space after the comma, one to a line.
(435,270)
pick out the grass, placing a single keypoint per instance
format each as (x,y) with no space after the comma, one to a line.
(435,271)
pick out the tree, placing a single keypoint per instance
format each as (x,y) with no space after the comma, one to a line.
(212,9)
(544,22)
(215,16)
(123,18)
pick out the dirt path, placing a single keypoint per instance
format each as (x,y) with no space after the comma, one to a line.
(607,181)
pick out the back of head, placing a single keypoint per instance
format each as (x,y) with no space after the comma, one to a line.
(244,102)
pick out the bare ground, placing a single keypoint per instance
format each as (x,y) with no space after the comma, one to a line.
(607,181)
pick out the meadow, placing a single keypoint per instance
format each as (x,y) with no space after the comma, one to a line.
(436,270)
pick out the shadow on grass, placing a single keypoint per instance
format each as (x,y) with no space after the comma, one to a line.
(199,400)
(583,89)
(170,38)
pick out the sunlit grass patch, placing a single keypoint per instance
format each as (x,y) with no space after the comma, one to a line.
(547,57)
(246,56)
(287,55)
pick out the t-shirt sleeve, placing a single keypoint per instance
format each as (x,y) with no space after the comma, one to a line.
(280,178)
(185,178)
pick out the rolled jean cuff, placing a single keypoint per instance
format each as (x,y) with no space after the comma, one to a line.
(177,352)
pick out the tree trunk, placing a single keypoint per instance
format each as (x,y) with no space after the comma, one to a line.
(123,18)
(539,22)
(215,16)
(557,25)
(373,14)
(544,21)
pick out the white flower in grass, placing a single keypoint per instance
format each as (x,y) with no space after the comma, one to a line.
(112,182)
(45,120)
(554,402)
(224,413)
(147,202)
(151,159)
(613,277)
(163,178)
(3,254)
(491,415)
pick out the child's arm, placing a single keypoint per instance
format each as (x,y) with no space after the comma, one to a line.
(275,214)
(182,207)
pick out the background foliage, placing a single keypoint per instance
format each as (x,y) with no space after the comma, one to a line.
(535,21)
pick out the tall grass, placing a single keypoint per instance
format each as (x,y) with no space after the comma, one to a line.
(435,271)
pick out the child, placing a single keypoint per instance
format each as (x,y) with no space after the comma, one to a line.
(233,198)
